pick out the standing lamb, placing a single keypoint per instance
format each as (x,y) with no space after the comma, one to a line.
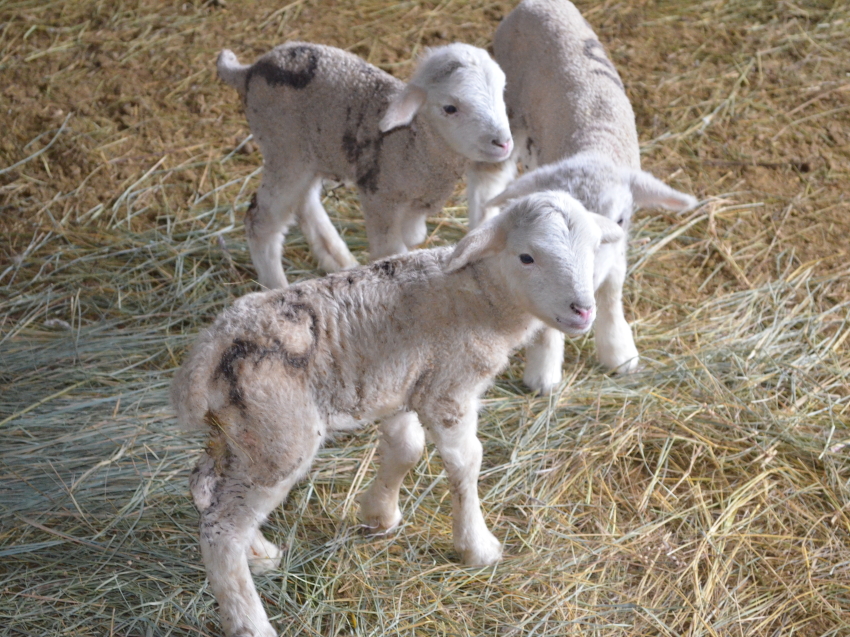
(422,334)
(320,112)
(570,115)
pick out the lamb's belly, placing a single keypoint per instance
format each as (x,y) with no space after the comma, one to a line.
(342,421)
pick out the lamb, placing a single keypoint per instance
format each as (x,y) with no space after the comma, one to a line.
(573,122)
(412,338)
(320,112)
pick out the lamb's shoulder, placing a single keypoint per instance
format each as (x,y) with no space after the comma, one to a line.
(420,166)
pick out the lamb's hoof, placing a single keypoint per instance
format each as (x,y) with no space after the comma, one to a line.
(544,383)
(257,631)
(628,366)
(263,556)
(376,525)
(487,551)
(337,262)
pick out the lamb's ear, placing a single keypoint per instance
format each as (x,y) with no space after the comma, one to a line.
(611,232)
(525,185)
(403,107)
(487,239)
(649,191)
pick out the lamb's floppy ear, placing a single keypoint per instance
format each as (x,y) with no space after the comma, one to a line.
(549,177)
(525,185)
(487,239)
(611,232)
(649,191)
(403,107)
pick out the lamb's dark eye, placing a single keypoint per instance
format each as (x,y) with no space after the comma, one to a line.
(620,222)
(450,109)
(526,258)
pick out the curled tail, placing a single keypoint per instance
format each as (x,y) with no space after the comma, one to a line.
(232,72)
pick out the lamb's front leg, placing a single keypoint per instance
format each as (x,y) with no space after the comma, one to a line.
(385,225)
(615,345)
(401,446)
(483,182)
(454,433)
(544,360)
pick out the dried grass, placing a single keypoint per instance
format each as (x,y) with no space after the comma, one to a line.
(706,495)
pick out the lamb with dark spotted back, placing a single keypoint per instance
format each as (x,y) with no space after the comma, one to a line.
(575,128)
(319,112)
(413,340)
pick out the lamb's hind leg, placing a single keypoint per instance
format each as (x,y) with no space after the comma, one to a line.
(327,246)
(267,221)
(232,506)
(401,446)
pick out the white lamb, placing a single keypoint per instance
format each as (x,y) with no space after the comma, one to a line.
(570,115)
(320,112)
(417,335)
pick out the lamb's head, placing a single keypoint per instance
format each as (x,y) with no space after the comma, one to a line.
(460,90)
(601,186)
(544,246)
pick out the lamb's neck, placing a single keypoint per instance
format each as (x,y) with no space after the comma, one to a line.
(434,145)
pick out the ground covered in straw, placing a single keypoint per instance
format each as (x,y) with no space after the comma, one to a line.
(706,495)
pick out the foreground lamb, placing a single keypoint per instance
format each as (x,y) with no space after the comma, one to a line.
(422,334)
(319,112)
(570,116)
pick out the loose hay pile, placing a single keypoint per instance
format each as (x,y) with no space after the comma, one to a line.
(707,495)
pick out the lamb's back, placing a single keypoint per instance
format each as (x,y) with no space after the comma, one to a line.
(562,88)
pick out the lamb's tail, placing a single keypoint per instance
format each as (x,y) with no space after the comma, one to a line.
(232,72)
(191,389)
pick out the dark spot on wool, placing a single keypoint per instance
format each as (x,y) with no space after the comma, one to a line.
(350,147)
(590,48)
(295,68)
(244,350)
(386,268)
(238,350)
(368,181)
(251,214)
(444,71)
(362,148)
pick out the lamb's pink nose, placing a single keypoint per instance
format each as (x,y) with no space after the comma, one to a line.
(584,312)
(504,145)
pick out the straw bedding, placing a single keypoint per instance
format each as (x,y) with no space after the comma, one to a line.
(706,495)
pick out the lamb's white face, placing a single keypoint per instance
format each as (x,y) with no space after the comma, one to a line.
(466,103)
(549,258)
